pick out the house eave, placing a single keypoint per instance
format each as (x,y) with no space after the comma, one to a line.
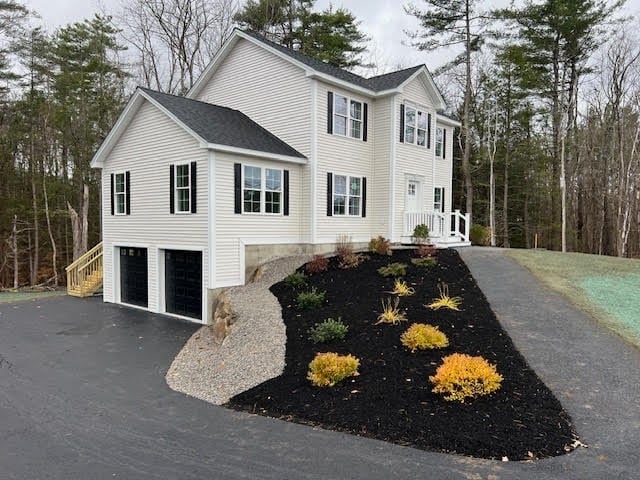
(447,121)
(256,153)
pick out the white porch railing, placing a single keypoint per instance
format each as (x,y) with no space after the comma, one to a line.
(442,226)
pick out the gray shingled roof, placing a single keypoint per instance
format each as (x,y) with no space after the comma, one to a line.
(377,84)
(222,125)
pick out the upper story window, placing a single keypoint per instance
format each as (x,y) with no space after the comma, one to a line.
(120,194)
(183,188)
(415,126)
(262,190)
(347,195)
(440,142)
(347,117)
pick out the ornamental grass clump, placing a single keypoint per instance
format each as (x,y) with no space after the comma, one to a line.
(296,280)
(444,300)
(393,270)
(328,330)
(462,376)
(390,312)
(423,337)
(327,369)
(401,288)
(380,245)
(310,299)
(317,264)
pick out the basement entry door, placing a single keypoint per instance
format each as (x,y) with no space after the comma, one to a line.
(134,276)
(183,283)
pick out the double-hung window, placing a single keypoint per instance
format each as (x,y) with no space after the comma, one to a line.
(438,199)
(183,188)
(440,142)
(347,195)
(416,126)
(262,190)
(120,194)
(347,117)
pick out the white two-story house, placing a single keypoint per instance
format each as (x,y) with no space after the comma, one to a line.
(270,153)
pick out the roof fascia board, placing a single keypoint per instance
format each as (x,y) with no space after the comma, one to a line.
(117,130)
(447,121)
(204,77)
(256,153)
(340,83)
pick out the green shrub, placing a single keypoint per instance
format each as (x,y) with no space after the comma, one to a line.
(311,299)
(296,279)
(479,234)
(420,233)
(317,264)
(328,330)
(327,369)
(380,245)
(425,262)
(393,270)
(422,337)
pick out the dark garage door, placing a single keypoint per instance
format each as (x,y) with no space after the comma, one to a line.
(183,281)
(133,276)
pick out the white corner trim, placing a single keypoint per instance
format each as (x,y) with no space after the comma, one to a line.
(392,167)
(241,277)
(255,153)
(211,231)
(314,159)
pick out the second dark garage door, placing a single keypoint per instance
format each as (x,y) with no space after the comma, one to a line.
(183,283)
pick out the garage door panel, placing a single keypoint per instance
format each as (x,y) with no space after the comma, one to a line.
(183,283)
(134,285)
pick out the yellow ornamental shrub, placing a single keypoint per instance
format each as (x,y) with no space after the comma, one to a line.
(422,337)
(462,376)
(327,369)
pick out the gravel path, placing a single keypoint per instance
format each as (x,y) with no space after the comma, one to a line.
(215,373)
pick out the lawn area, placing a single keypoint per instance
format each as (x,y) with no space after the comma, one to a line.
(10,297)
(605,287)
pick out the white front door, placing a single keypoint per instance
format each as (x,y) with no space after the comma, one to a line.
(412,203)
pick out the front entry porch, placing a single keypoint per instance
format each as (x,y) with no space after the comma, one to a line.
(446,229)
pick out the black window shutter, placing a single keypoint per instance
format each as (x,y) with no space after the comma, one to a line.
(172,206)
(112,194)
(429,131)
(329,194)
(285,193)
(364,197)
(194,184)
(365,121)
(329,112)
(237,187)
(127,189)
(444,143)
(402,123)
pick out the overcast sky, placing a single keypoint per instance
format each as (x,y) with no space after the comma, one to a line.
(382,20)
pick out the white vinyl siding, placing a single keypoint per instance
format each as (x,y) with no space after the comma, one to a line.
(151,143)
(233,231)
(379,185)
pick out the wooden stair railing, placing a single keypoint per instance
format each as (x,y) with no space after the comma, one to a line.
(84,276)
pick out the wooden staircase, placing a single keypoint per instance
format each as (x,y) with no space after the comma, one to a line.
(84,276)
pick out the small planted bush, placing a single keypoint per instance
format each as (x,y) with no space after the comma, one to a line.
(327,369)
(296,279)
(351,260)
(444,300)
(393,270)
(423,337)
(462,376)
(390,312)
(424,262)
(344,245)
(317,264)
(311,299)
(479,234)
(420,234)
(401,288)
(425,251)
(328,331)
(380,245)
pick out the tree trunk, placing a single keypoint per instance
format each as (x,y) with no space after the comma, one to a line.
(466,128)
(14,249)
(54,250)
(85,218)
(35,266)
(563,194)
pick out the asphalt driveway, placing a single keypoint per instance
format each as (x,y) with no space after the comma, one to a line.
(82,395)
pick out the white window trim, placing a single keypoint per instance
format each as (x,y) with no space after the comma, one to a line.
(348,117)
(123,193)
(263,190)
(415,126)
(441,143)
(347,196)
(176,199)
(441,198)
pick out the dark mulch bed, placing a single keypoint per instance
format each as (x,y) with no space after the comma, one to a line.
(391,399)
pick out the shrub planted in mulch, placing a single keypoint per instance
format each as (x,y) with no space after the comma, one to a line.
(392,398)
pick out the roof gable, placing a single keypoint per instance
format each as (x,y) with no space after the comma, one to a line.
(373,86)
(215,127)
